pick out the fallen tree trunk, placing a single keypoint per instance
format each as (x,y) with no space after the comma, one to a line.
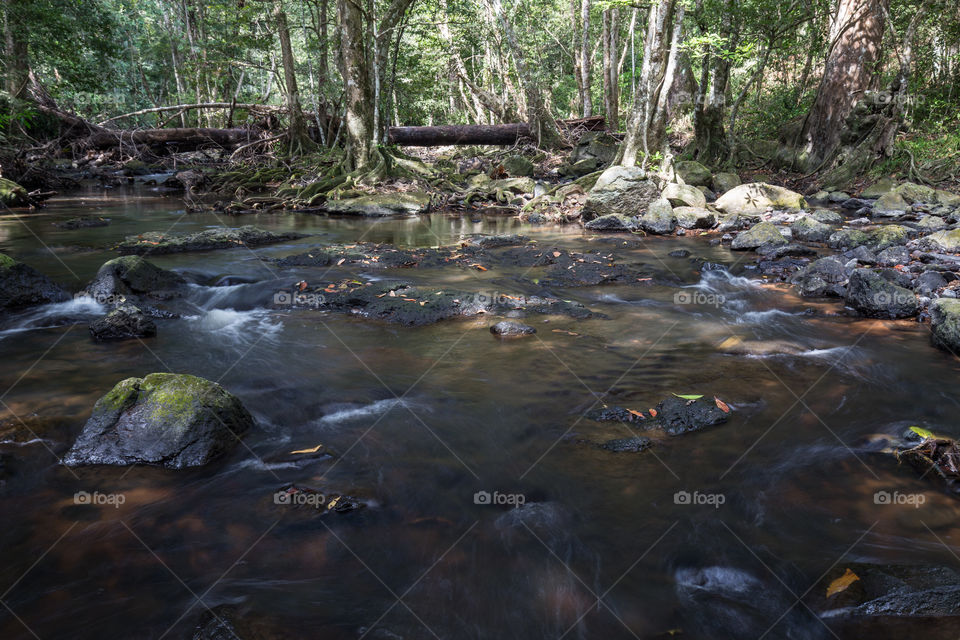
(203,105)
(493,134)
(173,139)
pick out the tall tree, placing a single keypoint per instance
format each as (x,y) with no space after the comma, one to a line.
(297,136)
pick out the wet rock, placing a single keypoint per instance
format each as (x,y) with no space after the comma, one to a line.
(156,242)
(889,235)
(659,218)
(24,286)
(623,190)
(890,601)
(312,258)
(736,222)
(757,197)
(170,420)
(825,277)
(611,414)
(723,182)
(693,173)
(518,166)
(855,204)
(873,296)
(891,201)
(946,241)
(507,329)
(929,283)
(879,188)
(123,323)
(612,222)
(490,242)
(892,256)
(12,194)
(809,230)
(679,253)
(758,235)
(683,195)
(133,276)
(861,254)
(627,445)
(82,222)
(386,204)
(929,224)
(826,216)
(777,251)
(916,193)
(945,324)
(740,347)
(677,416)
(848,238)
(695,218)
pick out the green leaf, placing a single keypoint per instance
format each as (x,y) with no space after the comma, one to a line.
(923,433)
(688,397)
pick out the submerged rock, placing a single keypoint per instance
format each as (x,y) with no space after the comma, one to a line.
(627,445)
(507,329)
(12,194)
(677,416)
(165,419)
(945,324)
(219,238)
(82,222)
(757,197)
(382,204)
(133,276)
(24,286)
(870,294)
(124,322)
(612,222)
(623,190)
(760,234)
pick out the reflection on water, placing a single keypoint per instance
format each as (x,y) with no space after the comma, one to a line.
(423,419)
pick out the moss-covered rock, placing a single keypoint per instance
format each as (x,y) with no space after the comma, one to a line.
(12,194)
(125,322)
(825,277)
(848,238)
(158,243)
(889,235)
(826,216)
(723,182)
(757,197)
(133,276)
(518,166)
(386,204)
(24,286)
(764,233)
(693,173)
(624,190)
(945,324)
(891,201)
(170,420)
(873,296)
(659,218)
(879,188)
(912,193)
(809,230)
(945,197)
(947,241)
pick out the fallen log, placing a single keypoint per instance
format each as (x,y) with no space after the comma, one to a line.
(493,134)
(188,139)
(202,105)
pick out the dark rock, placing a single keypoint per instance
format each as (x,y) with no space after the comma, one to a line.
(861,254)
(929,282)
(83,222)
(777,251)
(612,222)
(170,420)
(856,203)
(873,296)
(945,324)
(627,445)
(507,329)
(892,256)
(23,286)
(158,243)
(490,242)
(823,277)
(679,253)
(124,322)
(133,276)
(677,416)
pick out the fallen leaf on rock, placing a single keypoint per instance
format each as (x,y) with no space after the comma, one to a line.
(690,397)
(313,450)
(638,414)
(842,583)
(653,413)
(721,405)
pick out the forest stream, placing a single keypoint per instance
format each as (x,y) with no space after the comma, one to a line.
(490,501)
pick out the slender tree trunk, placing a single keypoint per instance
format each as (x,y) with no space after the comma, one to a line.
(586,62)
(856,34)
(297,133)
(16,58)
(639,135)
(358,97)
(611,68)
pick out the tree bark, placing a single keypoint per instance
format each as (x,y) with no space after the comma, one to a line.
(585,65)
(358,96)
(172,139)
(17,60)
(297,136)
(856,34)
(611,68)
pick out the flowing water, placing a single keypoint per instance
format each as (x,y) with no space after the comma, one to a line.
(606,545)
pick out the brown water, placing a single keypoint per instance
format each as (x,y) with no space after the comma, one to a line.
(426,417)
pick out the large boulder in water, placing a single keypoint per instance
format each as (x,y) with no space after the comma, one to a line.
(756,197)
(946,241)
(133,276)
(822,278)
(659,218)
(123,323)
(170,420)
(870,294)
(612,222)
(623,190)
(23,286)
(678,415)
(382,204)
(945,324)
(683,195)
(810,230)
(156,242)
(12,194)
(764,233)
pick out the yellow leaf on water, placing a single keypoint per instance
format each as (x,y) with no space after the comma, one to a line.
(842,583)
(314,450)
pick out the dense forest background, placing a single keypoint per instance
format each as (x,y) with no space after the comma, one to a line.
(721,81)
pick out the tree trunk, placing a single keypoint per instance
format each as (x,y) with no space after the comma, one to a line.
(611,68)
(856,34)
(498,134)
(586,63)
(172,139)
(542,125)
(710,137)
(17,60)
(355,70)
(640,137)
(297,133)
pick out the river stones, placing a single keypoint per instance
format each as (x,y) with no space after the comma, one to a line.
(891,201)
(627,445)
(623,190)
(764,233)
(508,329)
(156,242)
(822,278)
(24,286)
(164,419)
(946,241)
(723,182)
(873,296)
(879,188)
(677,416)
(382,204)
(945,324)
(612,222)
(693,173)
(123,323)
(659,218)
(810,230)
(757,197)
(684,195)
(133,276)
(12,194)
